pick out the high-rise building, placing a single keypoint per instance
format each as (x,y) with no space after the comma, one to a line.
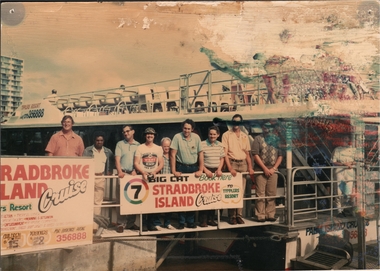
(11,84)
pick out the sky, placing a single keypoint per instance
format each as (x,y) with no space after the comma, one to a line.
(87,46)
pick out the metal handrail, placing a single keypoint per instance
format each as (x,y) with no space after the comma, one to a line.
(112,205)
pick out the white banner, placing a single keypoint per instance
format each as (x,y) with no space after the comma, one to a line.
(167,193)
(46,203)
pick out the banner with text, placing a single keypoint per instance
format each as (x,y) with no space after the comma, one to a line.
(168,193)
(45,203)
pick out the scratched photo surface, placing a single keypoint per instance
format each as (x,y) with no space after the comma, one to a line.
(78,47)
(331,47)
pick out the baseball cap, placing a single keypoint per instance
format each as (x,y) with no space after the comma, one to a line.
(149,130)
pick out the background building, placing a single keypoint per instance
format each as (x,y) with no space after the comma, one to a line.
(11,85)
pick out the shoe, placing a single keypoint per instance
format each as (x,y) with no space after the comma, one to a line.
(271,219)
(160,228)
(120,228)
(232,221)
(212,223)
(260,220)
(152,228)
(191,225)
(203,224)
(239,220)
(134,227)
(170,227)
(181,226)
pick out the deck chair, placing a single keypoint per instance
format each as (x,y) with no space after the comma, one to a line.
(159,95)
(172,102)
(96,99)
(200,104)
(83,102)
(62,104)
(112,97)
(145,99)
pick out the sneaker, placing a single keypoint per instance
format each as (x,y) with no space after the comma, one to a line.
(271,219)
(170,227)
(191,225)
(181,226)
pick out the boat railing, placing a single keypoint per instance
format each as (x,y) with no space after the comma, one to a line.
(213,91)
(248,198)
(306,204)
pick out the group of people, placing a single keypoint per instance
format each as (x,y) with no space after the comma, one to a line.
(186,153)
(183,154)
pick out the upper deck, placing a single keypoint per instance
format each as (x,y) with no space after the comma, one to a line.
(203,96)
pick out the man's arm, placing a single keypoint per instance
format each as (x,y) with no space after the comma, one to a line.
(249,162)
(219,172)
(278,162)
(160,165)
(111,162)
(81,147)
(173,162)
(120,173)
(200,164)
(138,167)
(228,164)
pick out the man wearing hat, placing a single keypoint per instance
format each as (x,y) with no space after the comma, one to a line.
(148,159)
(148,162)
(267,157)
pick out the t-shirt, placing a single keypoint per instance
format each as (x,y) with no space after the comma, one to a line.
(187,150)
(149,156)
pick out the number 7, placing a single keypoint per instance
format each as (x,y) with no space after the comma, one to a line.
(138,189)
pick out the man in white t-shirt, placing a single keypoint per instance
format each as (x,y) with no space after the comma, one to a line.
(148,162)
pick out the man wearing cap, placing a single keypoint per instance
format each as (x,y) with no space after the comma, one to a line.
(267,157)
(186,156)
(124,155)
(237,159)
(104,160)
(148,161)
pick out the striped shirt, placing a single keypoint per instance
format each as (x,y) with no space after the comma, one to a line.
(212,153)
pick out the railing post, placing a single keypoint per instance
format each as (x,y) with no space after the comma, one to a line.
(289,183)
(359,129)
(184,92)
(209,90)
